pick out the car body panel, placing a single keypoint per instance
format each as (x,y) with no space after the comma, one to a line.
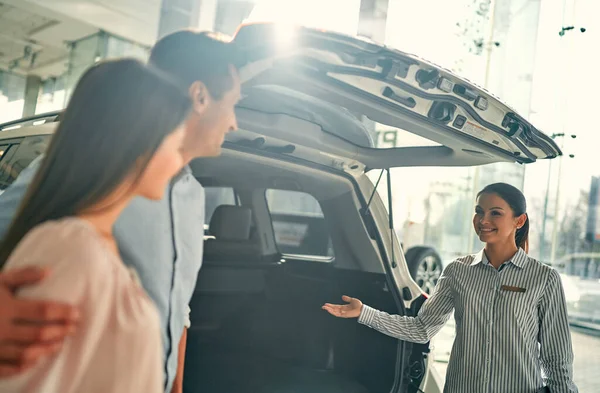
(386,86)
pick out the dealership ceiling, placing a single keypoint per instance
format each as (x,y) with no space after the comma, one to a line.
(35,34)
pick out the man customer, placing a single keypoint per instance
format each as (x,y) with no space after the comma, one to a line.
(162,240)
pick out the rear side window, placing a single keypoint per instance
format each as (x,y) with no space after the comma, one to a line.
(299,224)
(3,149)
(17,156)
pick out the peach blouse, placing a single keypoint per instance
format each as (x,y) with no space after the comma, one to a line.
(117,346)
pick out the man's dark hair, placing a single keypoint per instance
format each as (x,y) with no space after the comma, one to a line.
(191,56)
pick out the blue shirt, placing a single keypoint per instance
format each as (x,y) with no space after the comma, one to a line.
(162,240)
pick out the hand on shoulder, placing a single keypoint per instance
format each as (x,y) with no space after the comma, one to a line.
(29,329)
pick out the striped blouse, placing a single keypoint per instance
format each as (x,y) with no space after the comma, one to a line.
(512,333)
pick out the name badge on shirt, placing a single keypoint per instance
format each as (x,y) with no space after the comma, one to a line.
(512,289)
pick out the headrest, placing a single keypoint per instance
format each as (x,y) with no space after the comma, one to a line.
(231,223)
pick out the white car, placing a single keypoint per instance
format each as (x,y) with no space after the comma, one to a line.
(294,221)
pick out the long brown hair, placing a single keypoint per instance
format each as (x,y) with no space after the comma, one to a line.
(117,117)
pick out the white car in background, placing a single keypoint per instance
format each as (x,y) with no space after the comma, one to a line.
(294,221)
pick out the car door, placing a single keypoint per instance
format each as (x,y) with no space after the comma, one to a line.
(309,74)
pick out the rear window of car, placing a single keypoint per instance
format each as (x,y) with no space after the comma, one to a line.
(299,224)
(14,157)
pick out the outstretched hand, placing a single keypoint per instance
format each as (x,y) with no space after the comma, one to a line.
(350,310)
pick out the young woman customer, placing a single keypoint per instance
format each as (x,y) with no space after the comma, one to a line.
(119,138)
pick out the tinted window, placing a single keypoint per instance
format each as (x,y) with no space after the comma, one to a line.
(17,157)
(299,224)
(3,149)
(3,153)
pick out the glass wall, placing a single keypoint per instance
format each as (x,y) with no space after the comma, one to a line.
(55,91)
(12,94)
(52,95)
(87,51)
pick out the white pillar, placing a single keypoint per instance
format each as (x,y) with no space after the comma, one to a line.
(206,15)
(33,84)
(372,19)
(197,14)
